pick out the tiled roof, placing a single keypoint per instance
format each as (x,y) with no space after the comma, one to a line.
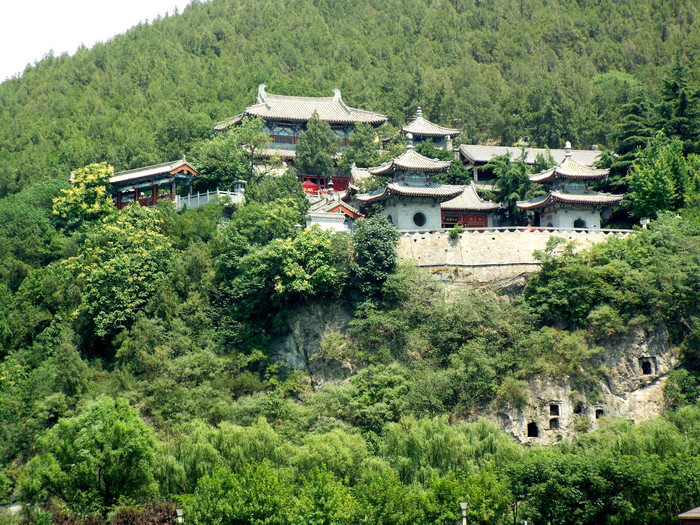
(469,200)
(693,513)
(328,203)
(479,154)
(435,191)
(411,160)
(423,127)
(283,107)
(284,153)
(231,121)
(358,174)
(151,171)
(591,198)
(569,169)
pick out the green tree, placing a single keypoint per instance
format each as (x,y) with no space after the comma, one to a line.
(91,460)
(679,108)
(375,259)
(661,179)
(232,154)
(513,181)
(363,150)
(316,147)
(121,265)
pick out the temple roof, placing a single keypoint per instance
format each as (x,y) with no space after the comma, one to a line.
(469,200)
(333,204)
(423,127)
(283,107)
(693,513)
(589,198)
(411,160)
(479,154)
(569,169)
(434,191)
(167,168)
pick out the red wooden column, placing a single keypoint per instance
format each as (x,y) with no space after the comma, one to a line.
(172,189)
(136,194)
(154,198)
(119,200)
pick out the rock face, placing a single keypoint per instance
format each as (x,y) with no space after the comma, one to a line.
(308,327)
(636,366)
(635,369)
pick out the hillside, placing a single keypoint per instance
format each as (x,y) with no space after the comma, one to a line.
(226,361)
(500,69)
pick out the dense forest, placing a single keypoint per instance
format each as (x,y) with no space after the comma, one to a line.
(137,347)
(499,69)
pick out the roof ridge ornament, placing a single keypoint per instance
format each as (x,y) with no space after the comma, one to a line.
(261,95)
(419,112)
(567,149)
(338,98)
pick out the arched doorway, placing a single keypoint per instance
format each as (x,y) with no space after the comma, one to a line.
(579,223)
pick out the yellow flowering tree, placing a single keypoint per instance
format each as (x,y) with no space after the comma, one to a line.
(88,197)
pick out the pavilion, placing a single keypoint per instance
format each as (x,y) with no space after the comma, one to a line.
(421,129)
(411,201)
(569,202)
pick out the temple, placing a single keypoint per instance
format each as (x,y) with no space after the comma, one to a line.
(152,184)
(411,201)
(476,156)
(286,116)
(469,210)
(569,202)
(421,129)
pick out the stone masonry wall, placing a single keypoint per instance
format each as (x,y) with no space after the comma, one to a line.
(489,254)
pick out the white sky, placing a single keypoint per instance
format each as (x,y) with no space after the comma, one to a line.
(30,28)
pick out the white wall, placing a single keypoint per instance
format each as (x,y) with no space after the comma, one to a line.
(329,223)
(403,210)
(563,218)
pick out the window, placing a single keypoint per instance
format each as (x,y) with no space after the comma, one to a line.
(419,219)
(553,409)
(389,219)
(599,412)
(648,365)
(532,430)
(554,423)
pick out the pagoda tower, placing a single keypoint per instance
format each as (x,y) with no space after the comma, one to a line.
(411,201)
(569,202)
(420,129)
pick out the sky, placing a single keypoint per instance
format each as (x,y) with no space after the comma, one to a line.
(29,29)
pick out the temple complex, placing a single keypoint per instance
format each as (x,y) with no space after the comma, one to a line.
(411,201)
(420,129)
(569,202)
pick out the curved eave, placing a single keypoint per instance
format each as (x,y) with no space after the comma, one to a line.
(554,175)
(595,200)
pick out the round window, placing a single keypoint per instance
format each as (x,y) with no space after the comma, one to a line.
(419,219)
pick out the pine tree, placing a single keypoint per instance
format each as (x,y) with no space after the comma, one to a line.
(316,147)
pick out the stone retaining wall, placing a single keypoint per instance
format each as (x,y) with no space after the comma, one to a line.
(488,255)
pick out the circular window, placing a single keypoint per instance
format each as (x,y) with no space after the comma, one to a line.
(419,219)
